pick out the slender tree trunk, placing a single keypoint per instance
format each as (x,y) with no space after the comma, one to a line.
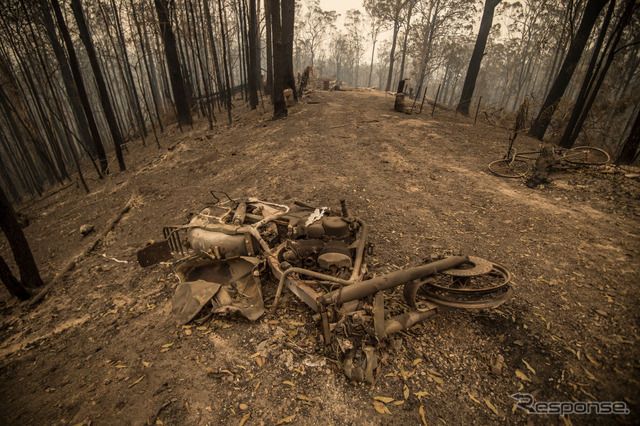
(591,13)
(254,54)
(175,73)
(225,61)
(279,66)
(373,51)
(76,6)
(214,50)
(82,93)
(67,79)
(602,69)
(587,82)
(267,18)
(476,57)
(396,27)
(288,16)
(406,37)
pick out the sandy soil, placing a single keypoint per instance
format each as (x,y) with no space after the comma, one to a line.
(102,348)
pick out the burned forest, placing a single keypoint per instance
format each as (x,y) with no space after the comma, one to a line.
(268,212)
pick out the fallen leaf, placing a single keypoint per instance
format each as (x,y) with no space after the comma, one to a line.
(529,366)
(381,408)
(304,398)
(589,375)
(255,355)
(421,393)
(384,399)
(398,402)
(421,411)
(288,383)
(416,361)
(491,406)
(405,392)
(138,380)
(260,361)
(287,419)
(520,375)
(146,364)
(121,366)
(187,332)
(473,398)
(592,360)
(244,419)
(186,405)
(168,345)
(436,379)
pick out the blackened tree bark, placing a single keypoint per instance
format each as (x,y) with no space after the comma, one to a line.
(476,57)
(591,13)
(67,78)
(76,6)
(268,36)
(630,147)
(214,50)
(279,68)
(288,17)
(254,54)
(29,274)
(587,82)
(227,76)
(601,71)
(175,73)
(82,92)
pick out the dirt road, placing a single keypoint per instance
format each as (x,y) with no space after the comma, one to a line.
(103,347)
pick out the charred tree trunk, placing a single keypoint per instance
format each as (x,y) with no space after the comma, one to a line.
(476,57)
(82,92)
(175,72)
(267,19)
(254,54)
(225,61)
(76,6)
(288,16)
(591,13)
(29,274)
(279,67)
(584,103)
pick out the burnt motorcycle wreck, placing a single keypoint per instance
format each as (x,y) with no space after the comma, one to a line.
(319,255)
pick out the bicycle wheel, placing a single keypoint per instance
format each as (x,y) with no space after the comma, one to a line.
(509,168)
(587,155)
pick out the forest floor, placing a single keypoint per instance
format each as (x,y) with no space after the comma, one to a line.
(103,347)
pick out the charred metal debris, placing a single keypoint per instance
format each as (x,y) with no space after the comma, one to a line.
(319,255)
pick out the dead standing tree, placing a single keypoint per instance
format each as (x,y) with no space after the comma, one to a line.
(591,13)
(277,92)
(76,6)
(175,73)
(476,57)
